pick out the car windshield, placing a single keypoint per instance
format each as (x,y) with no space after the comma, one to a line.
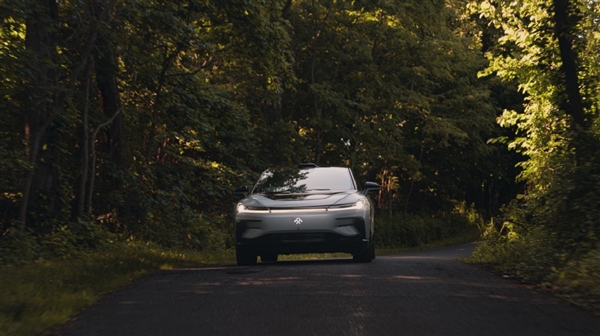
(304,180)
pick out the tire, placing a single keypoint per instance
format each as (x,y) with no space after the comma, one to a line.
(244,257)
(269,258)
(373,250)
(366,256)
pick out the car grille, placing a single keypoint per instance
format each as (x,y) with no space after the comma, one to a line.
(311,236)
(307,237)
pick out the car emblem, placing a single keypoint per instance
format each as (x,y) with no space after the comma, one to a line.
(298,221)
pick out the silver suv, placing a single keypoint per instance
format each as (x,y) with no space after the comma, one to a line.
(308,209)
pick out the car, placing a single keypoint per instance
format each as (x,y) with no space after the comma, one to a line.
(304,209)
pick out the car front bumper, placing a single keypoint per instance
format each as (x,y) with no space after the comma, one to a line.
(290,232)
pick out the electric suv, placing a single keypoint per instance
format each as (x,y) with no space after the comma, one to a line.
(307,209)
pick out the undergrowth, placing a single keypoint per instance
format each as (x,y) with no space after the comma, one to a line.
(402,230)
(534,257)
(42,294)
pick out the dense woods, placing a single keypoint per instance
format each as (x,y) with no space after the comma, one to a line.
(551,48)
(137,119)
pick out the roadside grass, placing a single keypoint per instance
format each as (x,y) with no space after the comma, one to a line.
(44,294)
(579,282)
(41,295)
(527,261)
(463,238)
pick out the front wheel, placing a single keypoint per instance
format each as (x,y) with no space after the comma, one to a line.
(367,255)
(268,258)
(373,250)
(244,257)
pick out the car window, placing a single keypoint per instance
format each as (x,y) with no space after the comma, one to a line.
(304,180)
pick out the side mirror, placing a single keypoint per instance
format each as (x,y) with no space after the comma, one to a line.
(242,191)
(371,186)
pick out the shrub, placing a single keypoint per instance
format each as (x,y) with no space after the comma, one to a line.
(412,230)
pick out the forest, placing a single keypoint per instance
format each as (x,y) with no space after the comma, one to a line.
(136,120)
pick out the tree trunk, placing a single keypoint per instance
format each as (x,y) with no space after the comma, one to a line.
(106,77)
(565,25)
(80,198)
(41,184)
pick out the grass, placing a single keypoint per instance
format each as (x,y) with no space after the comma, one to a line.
(456,240)
(41,295)
(44,294)
(577,281)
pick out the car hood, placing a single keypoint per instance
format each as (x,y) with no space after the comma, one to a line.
(301,200)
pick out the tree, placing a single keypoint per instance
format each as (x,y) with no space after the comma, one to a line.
(148,113)
(391,90)
(137,105)
(546,48)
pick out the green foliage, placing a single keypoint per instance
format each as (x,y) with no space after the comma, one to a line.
(44,294)
(534,255)
(553,229)
(179,72)
(571,207)
(21,245)
(578,281)
(391,89)
(411,230)
(18,245)
(528,255)
(153,112)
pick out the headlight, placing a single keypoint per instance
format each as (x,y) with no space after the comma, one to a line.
(361,203)
(242,208)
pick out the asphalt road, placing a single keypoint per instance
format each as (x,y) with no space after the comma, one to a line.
(425,293)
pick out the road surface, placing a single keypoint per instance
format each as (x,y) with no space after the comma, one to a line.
(424,293)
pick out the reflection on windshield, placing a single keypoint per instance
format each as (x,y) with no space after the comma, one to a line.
(281,181)
(305,180)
